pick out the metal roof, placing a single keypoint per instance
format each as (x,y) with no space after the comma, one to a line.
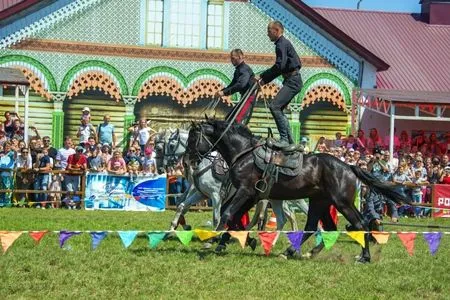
(418,53)
(12,76)
(416,97)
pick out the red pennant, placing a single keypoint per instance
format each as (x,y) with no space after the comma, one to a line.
(408,241)
(268,239)
(37,235)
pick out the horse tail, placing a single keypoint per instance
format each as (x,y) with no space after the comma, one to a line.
(395,192)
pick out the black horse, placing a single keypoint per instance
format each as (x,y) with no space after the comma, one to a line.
(324,179)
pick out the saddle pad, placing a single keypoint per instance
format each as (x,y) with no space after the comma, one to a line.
(287,164)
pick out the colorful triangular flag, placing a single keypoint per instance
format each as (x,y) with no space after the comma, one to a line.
(407,239)
(241,236)
(128,237)
(296,239)
(7,238)
(65,235)
(357,236)
(329,238)
(433,239)
(37,235)
(97,238)
(381,237)
(318,237)
(154,238)
(205,234)
(185,237)
(268,240)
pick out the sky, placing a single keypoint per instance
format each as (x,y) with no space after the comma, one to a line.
(381,5)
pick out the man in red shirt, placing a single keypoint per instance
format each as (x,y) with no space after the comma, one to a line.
(445,179)
(76,163)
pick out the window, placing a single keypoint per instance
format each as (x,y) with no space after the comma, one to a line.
(154,22)
(185,20)
(215,25)
(185,23)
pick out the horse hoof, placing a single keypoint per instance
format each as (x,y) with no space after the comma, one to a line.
(363,260)
(187,227)
(282,256)
(220,249)
(307,255)
(207,246)
(252,243)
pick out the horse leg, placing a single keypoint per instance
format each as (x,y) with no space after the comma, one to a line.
(356,220)
(328,225)
(194,196)
(256,219)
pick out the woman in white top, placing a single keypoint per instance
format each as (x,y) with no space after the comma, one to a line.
(141,132)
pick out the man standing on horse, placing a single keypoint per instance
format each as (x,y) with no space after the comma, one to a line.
(287,64)
(242,79)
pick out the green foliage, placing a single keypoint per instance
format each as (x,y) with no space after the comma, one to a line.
(174,271)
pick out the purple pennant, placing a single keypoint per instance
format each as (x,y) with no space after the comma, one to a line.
(97,237)
(433,239)
(296,239)
(65,235)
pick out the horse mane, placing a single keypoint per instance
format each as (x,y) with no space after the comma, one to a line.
(234,128)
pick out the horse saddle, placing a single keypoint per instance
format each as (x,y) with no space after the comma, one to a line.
(287,162)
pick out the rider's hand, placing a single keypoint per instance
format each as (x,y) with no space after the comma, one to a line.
(258,80)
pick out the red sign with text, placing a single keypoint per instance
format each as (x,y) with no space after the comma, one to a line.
(441,199)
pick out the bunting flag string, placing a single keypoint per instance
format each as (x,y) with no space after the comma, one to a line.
(267,239)
(7,238)
(97,238)
(37,235)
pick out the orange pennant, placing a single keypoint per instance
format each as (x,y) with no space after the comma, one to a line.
(268,239)
(37,235)
(241,236)
(407,239)
(381,237)
(7,238)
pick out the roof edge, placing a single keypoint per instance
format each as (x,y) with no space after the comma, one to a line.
(12,10)
(338,34)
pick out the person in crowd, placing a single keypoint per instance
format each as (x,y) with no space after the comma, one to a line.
(52,152)
(133,161)
(42,168)
(24,174)
(105,153)
(18,130)
(7,161)
(445,145)
(141,133)
(85,131)
(96,163)
(55,186)
(86,115)
(3,137)
(374,140)
(64,153)
(401,177)
(76,164)
(116,165)
(288,65)
(405,142)
(350,143)
(149,162)
(444,161)
(339,141)
(445,178)
(106,133)
(420,166)
(433,145)
(372,204)
(321,146)
(419,183)
(304,143)
(361,141)
(8,126)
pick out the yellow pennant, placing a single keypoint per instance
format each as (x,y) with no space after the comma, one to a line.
(241,236)
(7,238)
(381,237)
(357,236)
(205,234)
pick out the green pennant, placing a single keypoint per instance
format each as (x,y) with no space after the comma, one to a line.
(185,236)
(154,238)
(330,238)
(318,237)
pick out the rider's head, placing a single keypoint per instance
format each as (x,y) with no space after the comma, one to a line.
(236,57)
(274,30)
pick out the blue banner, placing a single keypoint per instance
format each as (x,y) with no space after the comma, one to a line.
(113,192)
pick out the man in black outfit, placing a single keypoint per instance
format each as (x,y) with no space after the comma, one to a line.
(288,65)
(242,80)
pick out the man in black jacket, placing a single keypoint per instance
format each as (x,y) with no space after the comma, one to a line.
(288,65)
(242,80)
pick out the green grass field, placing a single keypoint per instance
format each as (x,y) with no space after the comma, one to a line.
(174,271)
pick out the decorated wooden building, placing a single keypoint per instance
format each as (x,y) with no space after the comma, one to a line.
(165,59)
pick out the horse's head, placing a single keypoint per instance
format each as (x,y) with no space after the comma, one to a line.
(200,141)
(160,145)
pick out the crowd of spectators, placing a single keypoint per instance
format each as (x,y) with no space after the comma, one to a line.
(417,163)
(37,165)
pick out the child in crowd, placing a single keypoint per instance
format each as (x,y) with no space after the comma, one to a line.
(86,115)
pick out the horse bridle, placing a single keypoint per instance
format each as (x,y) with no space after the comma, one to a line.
(169,152)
